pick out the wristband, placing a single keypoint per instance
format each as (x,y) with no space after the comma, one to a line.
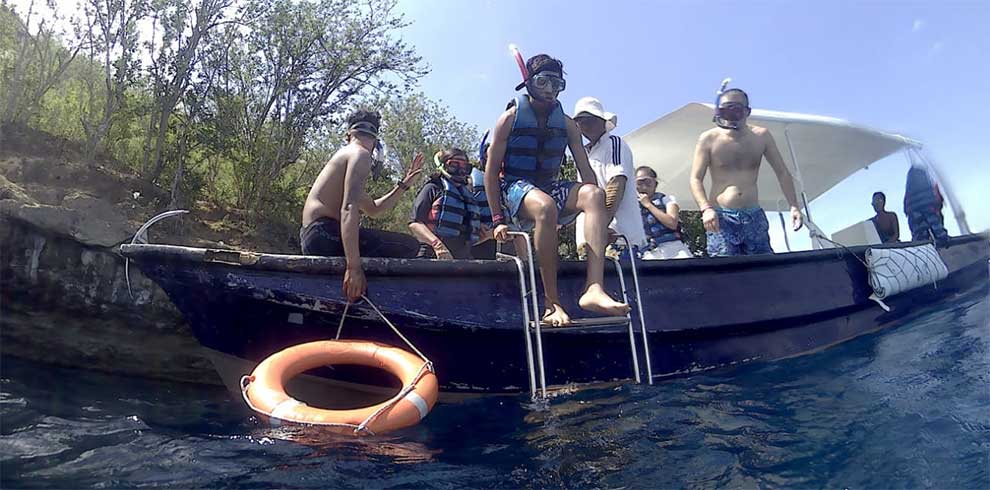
(706,207)
(402,185)
(436,243)
(498,219)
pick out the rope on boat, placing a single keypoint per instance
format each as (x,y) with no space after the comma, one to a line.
(343,316)
(871,271)
(427,367)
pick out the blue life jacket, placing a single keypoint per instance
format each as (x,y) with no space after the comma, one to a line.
(923,207)
(480,198)
(447,217)
(534,153)
(919,193)
(656,232)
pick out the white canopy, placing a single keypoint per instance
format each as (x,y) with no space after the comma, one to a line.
(827,150)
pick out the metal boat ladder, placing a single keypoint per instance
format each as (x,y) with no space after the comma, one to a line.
(532,324)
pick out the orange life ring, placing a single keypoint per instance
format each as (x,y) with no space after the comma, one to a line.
(264,389)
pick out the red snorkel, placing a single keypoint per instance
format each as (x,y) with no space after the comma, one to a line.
(522,65)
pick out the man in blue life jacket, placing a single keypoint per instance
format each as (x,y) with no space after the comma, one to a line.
(923,206)
(733,151)
(447,218)
(888,229)
(527,148)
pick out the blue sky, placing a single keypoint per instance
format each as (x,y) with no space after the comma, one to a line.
(918,69)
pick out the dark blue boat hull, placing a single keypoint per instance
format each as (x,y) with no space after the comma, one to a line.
(466,315)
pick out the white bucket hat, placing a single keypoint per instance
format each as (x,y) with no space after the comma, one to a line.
(593,106)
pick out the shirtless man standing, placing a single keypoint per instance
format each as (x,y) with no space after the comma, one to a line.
(735,223)
(332,213)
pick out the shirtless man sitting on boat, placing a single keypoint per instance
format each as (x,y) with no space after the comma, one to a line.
(332,213)
(528,144)
(885,221)
(734,222)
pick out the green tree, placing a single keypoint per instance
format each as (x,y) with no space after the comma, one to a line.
(173,60)
(109,29)
(413,124)
(298,66)
(694,232)
(32,63)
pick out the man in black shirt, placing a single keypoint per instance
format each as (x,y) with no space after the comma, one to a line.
(446,218)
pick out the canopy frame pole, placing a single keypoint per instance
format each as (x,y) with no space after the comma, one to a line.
(957,210)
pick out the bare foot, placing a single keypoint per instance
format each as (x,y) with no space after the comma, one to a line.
(555,315)
(596,300)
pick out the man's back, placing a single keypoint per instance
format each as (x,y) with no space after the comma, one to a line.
(327,194)
(735,157)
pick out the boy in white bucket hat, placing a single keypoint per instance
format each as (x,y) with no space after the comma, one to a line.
(612,162)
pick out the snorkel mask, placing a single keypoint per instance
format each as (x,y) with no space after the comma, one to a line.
(379,154)
(543,87)
(455,168)
(728,117)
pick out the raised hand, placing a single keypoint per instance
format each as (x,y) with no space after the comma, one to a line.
(645,200)
(415,168)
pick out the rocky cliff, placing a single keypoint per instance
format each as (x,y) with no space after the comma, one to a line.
(63,295)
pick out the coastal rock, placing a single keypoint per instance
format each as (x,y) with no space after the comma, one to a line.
(86,219)
(66,302)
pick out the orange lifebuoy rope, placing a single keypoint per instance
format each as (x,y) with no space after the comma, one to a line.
(264,389)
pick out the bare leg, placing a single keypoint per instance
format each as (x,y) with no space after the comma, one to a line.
(540,207)
(591,200)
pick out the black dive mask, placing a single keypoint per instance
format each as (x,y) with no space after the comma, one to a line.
(730,116)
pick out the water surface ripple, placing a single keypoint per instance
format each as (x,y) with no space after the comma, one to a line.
(907,407)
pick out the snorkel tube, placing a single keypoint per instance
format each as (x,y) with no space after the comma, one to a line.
(519,61)
(717,118)
(483,150)
(440,165)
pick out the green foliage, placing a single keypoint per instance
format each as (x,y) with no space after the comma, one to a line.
(566,239)
(694,233)
(241,103)
(410,125)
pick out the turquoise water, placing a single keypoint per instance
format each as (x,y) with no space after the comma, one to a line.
(908,407)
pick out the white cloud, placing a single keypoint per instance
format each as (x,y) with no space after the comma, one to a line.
(936,48)
(918,25)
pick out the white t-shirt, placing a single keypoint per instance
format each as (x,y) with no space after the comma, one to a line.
(610,157)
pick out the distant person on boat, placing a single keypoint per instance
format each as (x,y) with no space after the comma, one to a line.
(923,206)
(733,150)
(885,221)
(332,213)
(659,215)
(612,162)
(447,218)
(524,159)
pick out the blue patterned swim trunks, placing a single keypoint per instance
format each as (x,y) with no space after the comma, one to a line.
(740,232)
(558,190)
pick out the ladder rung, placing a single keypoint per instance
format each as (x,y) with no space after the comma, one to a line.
(594,322)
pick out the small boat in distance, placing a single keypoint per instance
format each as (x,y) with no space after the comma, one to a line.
(468,316)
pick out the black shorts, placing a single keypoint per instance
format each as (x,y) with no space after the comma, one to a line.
(322,237)
(461,250)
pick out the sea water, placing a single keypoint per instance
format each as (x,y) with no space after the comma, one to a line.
(907,407)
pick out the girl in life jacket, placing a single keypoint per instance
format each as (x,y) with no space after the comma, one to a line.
(446,217)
